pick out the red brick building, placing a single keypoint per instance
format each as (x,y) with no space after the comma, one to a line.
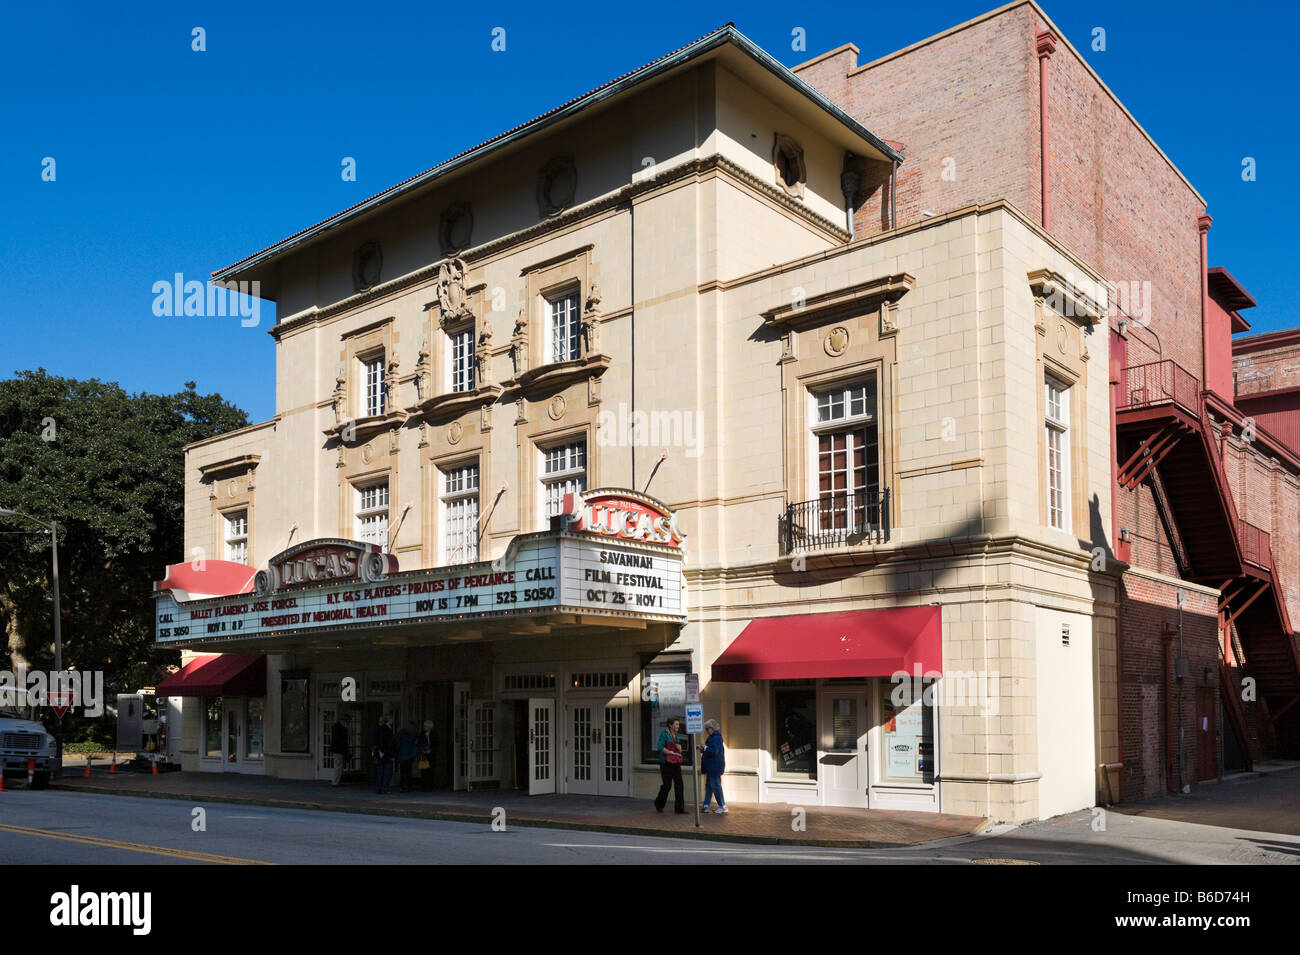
(1207,505)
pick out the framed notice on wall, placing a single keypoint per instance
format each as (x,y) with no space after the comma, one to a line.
(295,714)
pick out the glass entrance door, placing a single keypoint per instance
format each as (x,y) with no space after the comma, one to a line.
(541,747)
(597,744)
(232,746)
(842,758)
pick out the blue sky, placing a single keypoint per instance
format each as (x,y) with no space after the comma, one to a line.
(168,160)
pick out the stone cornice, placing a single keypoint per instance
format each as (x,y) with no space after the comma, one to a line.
(244,462)
(829,306)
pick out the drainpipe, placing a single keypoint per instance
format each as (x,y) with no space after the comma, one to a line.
(1203,227)
(893,197)
(1115,375)
(849,182)
(1046,47)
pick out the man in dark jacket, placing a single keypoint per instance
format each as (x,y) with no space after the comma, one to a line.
(339,746)
(713,764)
(385,751)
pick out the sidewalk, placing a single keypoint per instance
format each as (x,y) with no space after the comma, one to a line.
(746,822)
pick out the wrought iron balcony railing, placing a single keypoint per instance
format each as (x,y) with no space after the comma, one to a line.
(835,520)
(1158,383)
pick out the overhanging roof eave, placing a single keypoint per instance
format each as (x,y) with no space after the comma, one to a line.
(712,41)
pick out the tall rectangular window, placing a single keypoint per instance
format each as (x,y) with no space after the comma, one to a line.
(372,514)
(564,471)
(460,515)
(848,457)
(563,327)
(461,364)
(373,396)
(1057,427)
(237,537)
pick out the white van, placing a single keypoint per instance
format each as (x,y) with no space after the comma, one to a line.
(23,739)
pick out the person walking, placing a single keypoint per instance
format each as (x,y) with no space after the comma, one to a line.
(407,750)
(670,766)
(428,749)
(339,746)
(384,751)
(713,763)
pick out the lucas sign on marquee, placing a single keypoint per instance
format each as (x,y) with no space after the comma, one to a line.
(590,567)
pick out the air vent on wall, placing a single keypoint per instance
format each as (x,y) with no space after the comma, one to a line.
(1065,634)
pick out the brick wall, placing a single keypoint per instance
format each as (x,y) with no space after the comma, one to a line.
(1150,709)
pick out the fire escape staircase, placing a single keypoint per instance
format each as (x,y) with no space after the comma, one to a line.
(1166,438)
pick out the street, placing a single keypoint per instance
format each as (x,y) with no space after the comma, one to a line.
(1245,821)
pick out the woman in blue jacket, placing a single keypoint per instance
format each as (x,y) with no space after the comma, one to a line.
(714,764)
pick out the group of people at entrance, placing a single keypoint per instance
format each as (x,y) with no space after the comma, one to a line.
(713,763)
(388,749)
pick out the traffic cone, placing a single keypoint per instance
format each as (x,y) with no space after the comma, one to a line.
(87,772)
(112,766)
(31,771)
(155,767)
(2,778)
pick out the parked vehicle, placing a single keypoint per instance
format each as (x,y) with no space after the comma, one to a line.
(23,739)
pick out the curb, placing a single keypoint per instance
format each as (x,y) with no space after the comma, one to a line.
(515,821)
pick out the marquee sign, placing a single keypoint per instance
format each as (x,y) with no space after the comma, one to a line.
(622,514)
(324,561)
(558,572)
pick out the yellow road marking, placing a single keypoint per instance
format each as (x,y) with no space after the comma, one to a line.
(133,846)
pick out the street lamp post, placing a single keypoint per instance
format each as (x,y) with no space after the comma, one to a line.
(53,529)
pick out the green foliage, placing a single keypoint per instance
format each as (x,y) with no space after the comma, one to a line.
(108,466)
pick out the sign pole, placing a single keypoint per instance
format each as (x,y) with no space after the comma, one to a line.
(695,780)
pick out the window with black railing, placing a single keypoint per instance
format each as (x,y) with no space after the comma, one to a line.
(850,506)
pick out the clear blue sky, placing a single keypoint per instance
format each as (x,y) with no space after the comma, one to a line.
(172,161)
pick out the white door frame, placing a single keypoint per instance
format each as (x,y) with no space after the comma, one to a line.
(541,746)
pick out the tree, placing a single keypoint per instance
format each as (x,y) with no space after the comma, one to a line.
(109,468)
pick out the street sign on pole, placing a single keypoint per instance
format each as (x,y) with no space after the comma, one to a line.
(692,688)
(60,700)
(694,718)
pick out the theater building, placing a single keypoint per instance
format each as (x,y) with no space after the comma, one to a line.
(669,380)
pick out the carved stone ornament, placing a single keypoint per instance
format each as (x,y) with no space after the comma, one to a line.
(557,407)
(557,183)
(789,166)
(455,228)
(367,266)
(837,341)
(390,382)
(454,432)
(339,399)
(483,356)
(888,318)
(453,303)
(519,343)
(591,321)
(422,372)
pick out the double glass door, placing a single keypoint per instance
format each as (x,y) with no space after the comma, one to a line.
(597,733)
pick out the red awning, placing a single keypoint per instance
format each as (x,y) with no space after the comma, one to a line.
(825,645)
(227,674)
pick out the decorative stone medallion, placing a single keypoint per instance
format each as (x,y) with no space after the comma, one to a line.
(557,407)
(837,341)
(454,432)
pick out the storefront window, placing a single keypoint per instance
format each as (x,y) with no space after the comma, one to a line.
(295,719)
(256,709)
(212,714)
(907,728)
(794,730)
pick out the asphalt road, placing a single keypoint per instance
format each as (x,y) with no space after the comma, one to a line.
(60,828)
